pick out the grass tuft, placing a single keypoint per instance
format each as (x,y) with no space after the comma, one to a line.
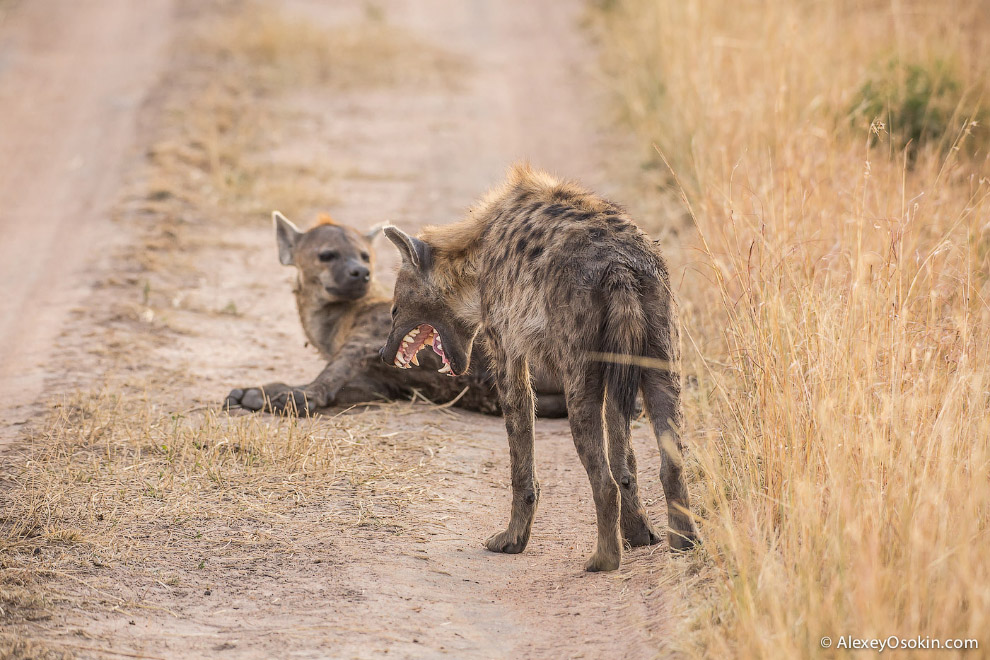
(919,104)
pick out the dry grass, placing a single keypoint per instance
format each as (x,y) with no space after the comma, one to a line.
(14,648)
(122,490)
(282,52)
(836,314)
(109,466)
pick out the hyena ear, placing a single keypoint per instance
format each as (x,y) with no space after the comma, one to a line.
(374,231)
(287,235)
(413,250)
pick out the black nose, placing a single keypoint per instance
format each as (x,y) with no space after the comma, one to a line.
(359,273)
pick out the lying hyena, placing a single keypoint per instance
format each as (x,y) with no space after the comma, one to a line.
(345,315)
(545,271)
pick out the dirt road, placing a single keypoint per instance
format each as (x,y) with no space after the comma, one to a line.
(424,588)
(72,79)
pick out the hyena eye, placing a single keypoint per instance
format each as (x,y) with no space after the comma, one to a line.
(327,255)
(365,257)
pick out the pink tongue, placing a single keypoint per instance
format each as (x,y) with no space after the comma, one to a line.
(437,348)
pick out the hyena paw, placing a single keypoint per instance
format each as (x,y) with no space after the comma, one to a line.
(638,531)
(602,561)
(294,400)
(274,397)
(684,537)
(248,398)
(507,542)
(233,399)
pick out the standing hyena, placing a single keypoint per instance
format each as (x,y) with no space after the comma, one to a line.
(550,273)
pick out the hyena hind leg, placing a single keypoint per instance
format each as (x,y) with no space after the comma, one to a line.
(585,402)
(661,391)
(634,523)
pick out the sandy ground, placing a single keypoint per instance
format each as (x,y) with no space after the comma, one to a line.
(72,78)
(427,589)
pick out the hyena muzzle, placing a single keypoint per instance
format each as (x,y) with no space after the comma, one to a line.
(548,273)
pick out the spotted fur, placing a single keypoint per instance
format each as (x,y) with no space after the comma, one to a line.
(546,272)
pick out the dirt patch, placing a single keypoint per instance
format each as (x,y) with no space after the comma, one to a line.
(157,525)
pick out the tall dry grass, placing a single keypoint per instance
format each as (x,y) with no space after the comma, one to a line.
(836,310)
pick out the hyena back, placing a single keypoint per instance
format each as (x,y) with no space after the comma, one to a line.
(549,273)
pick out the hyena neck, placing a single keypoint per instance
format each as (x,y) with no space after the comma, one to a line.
(327,325)
(457,279)
(457,250)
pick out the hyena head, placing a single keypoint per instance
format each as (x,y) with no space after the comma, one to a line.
(421,313)
(335,263)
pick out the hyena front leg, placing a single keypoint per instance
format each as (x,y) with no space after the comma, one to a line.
(516,395)
(635,524)
(585,403)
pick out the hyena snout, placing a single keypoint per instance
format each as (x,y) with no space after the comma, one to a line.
(349,280)
(358,273)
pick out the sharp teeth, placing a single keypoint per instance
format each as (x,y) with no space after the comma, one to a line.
(445,369)
(396,362)
(415,360)
(430,339)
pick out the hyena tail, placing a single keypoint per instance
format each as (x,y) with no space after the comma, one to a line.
(624,342)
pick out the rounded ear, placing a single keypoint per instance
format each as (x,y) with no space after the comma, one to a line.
(374,231)
(414,251)
(287,236)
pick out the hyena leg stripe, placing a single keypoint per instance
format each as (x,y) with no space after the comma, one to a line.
(516,395)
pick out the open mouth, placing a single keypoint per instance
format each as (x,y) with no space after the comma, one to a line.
(416,340)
